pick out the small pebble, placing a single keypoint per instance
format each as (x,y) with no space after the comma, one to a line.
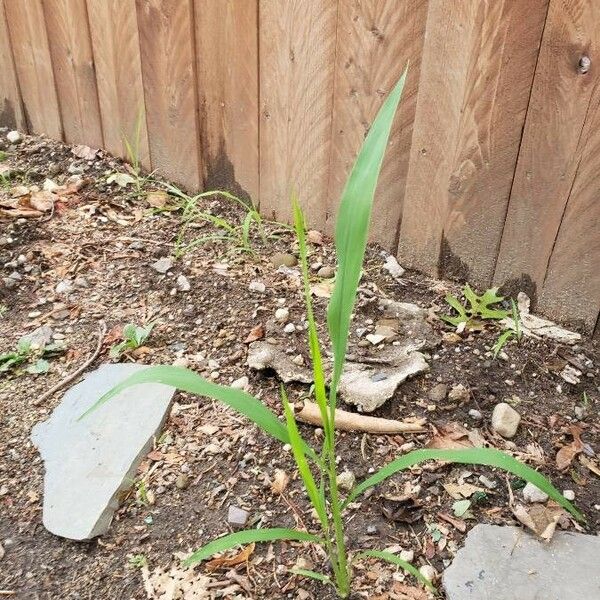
(326,272)
(569,495)
(475,414)
(346,480)
(490,484)
(505,420)
(257,286)
(14,137)
(237,517)
(241,383)
(407,555)
(182,361)
(182,482)
(183,285)
(282,315)
(438,392)
(428,572)
(458,393)
(162,265)
(289,328)
(284,259)
(533,494)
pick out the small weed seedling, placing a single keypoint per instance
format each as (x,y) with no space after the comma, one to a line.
(318,467)
(237,235)
(513,331)
(134,336)
(34,357)
(478,308)
(138,561)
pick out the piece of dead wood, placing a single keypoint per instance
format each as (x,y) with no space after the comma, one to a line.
(308,412)
(77,372)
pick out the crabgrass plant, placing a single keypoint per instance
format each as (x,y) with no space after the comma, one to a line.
(317,467)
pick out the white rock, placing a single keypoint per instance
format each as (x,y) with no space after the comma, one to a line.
(183,285)
(407,555)
(182,361)
(505,420)
(162,265)
(14,137)
(64,287)
(375,338)
(393,268)
(569,495)
(282,314)
(475,414)
(237,517)
(532,494)
(289,328)
(257,286)
(346,480)
(428,572)
(241,383)
(50,186)
(90,462)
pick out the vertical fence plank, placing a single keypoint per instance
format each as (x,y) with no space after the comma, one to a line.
(227,59)
(11,110)
(116,47)
(375,40)
(168,67)
(297,56)
(478,64)
(551,148)
(34,66)
(73,63)
(571,289)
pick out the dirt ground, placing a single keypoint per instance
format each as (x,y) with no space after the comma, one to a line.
(104,239)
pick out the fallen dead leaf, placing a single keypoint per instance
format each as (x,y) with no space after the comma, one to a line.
(43,201)
(541,519)
(141,351)
(155,455)
(241,557)
(83,151)
(565,456)
(322,289)
(450,436)
(402,509)
(456,523)
(459,491)
(590,464)
(280,481)
(157,198)
(256,333)
(408,592)
(175,584)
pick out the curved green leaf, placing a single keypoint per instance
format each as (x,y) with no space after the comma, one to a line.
(312,574)
(389,557)
(246,537)
(188,381)
(352,226)
(473,456)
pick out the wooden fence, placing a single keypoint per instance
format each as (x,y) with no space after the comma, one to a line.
(493,173)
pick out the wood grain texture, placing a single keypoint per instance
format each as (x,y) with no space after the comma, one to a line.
(11,109)
(34,66)
(571,289)
(297,57)
(478,64)
(168,67)
(73,64)
(375,41)
(227,68)
(551,147)
(116,48)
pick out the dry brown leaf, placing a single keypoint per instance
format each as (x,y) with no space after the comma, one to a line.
(256,333)
(17,213)
(176,584)
(155,455)
(322,289)
(157,198)
(565,456)
(280,481)
(223,562)
(408,592)
(83,151)
(113,335)
(141,351)
(456,523)
(43,201)
(450,436)
(459,491)
(590,464)
(541,519)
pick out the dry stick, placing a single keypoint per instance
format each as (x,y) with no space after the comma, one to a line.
(76,373)
(310,413)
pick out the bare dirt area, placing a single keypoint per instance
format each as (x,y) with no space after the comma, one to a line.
(87,256)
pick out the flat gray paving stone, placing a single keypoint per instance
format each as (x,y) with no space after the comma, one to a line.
(507,563)
(89,462)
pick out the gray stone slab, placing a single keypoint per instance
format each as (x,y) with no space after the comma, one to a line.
(507,563)
(89,462)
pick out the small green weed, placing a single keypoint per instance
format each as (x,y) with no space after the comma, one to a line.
(237,235)
(134,336)
(138,561)
(3,155)
(32,357)
(477,308)
(513,331)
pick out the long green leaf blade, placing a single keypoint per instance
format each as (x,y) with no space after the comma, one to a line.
(188,381)
(298,445)
(473,456)
(392,558)
(246,537)
(312,574)
(353,224)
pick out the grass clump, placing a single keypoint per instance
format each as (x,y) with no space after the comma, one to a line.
(317,466)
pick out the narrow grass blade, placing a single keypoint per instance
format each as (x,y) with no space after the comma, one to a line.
(298,445)
(313,337)
(392,558)
(246,537)
(473,456)
(188,381)
(313,575)
(353,224)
